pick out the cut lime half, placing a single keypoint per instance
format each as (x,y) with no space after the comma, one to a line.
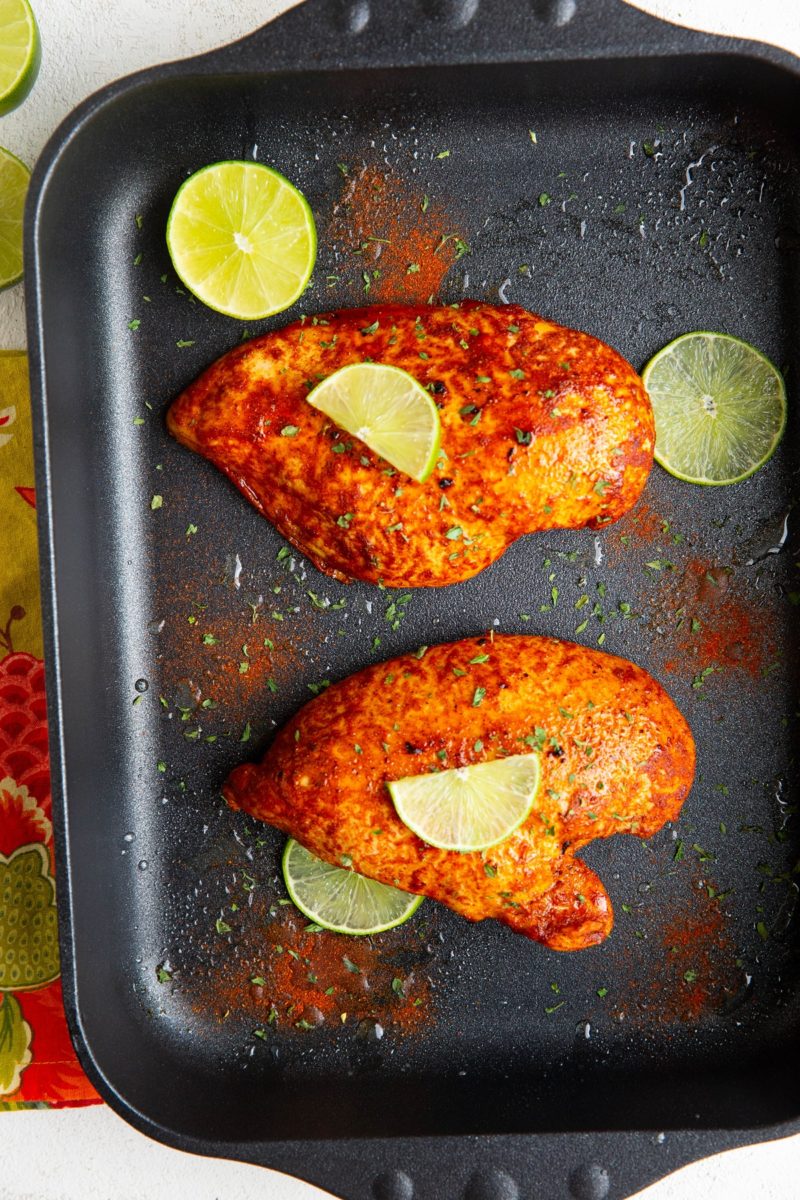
(242,239)
(719,405)
(387,410)
(469,808)
(19,53)
(14,180)
(340,900)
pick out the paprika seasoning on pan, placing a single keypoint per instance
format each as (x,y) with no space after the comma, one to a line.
(399,244)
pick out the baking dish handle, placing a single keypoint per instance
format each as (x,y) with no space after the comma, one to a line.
(330,34)
(577,1166)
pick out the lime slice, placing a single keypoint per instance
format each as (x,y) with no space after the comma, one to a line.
(719,405)
(387,410)
(341,900)
(242,238)
(19,53)
(469,808)
(14,180)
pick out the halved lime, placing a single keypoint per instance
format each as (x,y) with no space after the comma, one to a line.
(387,410)
(341,900)
(469,808)
(19,53)
(242,238)
(719,405)
(14,180)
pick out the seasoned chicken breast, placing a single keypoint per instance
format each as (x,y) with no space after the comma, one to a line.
(617,757)
(542,427)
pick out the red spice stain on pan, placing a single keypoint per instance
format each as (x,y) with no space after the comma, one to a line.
(222,658)
(644,524)
(400,242)
(288,978)
(698,972)
(714,620)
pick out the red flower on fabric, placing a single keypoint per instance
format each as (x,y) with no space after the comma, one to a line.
(22,820)
(28,495)
(23,727)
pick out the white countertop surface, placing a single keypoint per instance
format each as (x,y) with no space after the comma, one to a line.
(90,1154)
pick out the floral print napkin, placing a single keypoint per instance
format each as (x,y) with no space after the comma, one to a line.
(37,1063)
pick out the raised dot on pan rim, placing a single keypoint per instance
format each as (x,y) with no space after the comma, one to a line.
(455,13)
(555,12)
(393,1185)
(490,1183)
(590,1181)
(356,16)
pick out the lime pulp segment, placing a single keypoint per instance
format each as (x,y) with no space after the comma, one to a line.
(19,52)
(242,238)
(341,900)
(469,808)
(386,409)
(719,406)
(14,180)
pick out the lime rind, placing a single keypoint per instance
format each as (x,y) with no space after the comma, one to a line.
(341,900)
(388,410)
(719,406)
(469,808)
(20,53)
(242,238)
(14,180)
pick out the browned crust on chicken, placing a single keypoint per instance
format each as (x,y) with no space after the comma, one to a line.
(617,757)
(543,427)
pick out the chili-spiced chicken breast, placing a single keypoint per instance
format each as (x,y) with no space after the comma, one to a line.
(616,757)
(543,427)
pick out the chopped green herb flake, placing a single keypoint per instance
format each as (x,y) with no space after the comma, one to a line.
(701,677)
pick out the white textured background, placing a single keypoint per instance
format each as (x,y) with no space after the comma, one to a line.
(89,1154)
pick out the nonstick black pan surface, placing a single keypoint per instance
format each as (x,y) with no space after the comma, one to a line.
(660,195)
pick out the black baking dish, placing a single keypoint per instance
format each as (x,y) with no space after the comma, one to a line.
(660,194)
